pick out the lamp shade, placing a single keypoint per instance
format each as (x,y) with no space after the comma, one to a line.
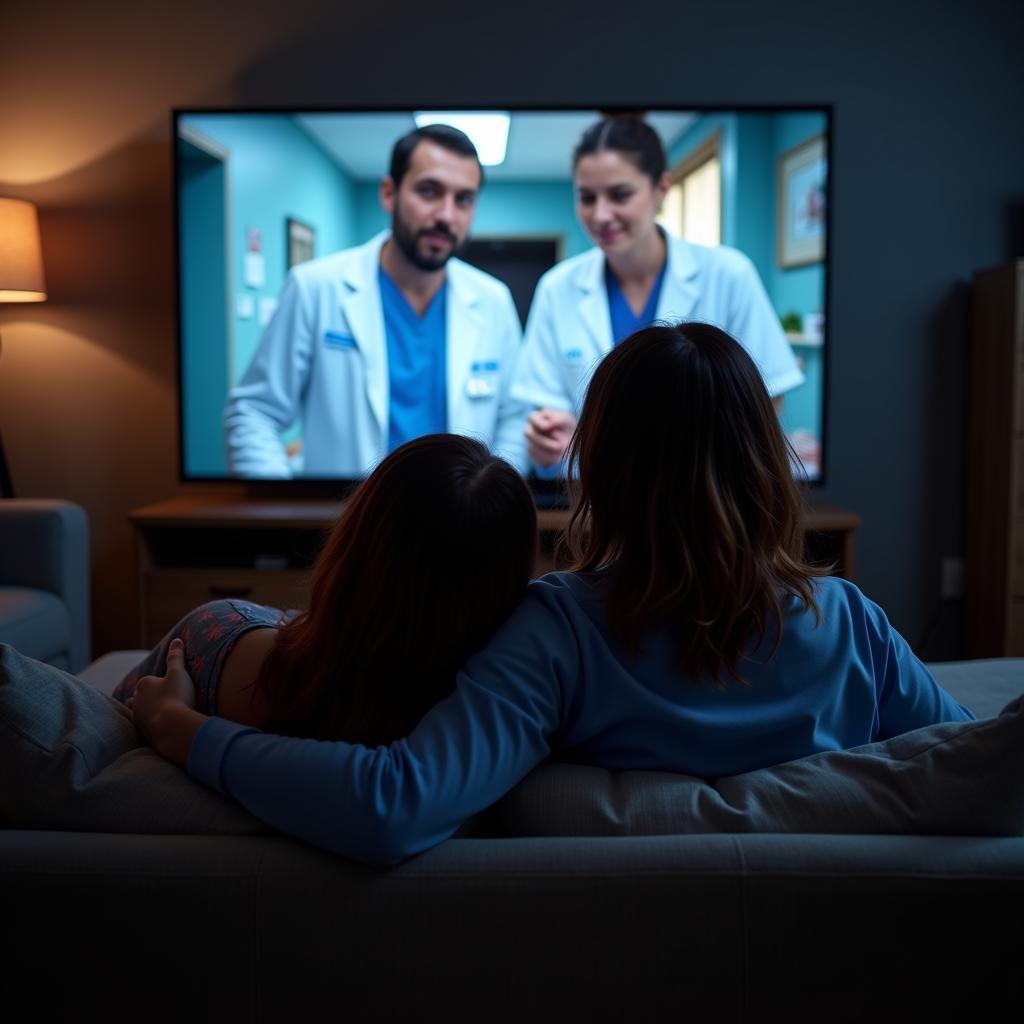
(21,254)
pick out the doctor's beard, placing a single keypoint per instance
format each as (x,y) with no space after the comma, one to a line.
(408,242)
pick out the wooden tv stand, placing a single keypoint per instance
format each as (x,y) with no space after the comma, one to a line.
(193,549)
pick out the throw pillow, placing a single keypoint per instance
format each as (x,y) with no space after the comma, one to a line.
(964,778)
(70,759)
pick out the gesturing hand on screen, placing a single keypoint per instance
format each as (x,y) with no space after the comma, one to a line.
(548,432)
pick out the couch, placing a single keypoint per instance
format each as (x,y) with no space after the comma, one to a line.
(552,905)
(44,580)
(118,917)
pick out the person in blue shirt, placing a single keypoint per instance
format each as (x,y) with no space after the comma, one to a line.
(690,636)
(390,620)
(374,345)
(636,274)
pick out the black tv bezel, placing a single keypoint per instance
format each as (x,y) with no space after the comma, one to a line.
(547,493)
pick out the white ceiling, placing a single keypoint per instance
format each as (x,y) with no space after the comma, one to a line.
(540,144)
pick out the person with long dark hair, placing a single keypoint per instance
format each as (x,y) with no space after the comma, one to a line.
(430,555)
(690,636)
(636,273)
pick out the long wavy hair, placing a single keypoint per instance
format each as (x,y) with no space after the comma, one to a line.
(430,555)
(683,492)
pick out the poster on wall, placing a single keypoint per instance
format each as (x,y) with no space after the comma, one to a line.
(800,205)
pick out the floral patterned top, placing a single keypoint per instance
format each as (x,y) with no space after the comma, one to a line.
(209,633)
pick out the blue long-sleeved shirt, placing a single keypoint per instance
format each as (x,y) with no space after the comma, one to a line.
(554,679)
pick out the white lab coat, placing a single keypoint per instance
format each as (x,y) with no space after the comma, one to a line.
(569,329)
(323,359)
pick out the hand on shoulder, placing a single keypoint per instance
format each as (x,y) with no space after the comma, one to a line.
(163,708)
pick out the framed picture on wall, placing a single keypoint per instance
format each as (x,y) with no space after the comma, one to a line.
(300,242)
(800,204)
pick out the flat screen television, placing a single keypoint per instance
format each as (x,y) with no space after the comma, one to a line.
(259,192)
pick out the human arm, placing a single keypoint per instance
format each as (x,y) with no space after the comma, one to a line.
(541,383)
(509,442)
(268,396)
(384,804)
(907,694)
(752,320)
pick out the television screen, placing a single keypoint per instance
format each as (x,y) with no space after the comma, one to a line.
(328,311)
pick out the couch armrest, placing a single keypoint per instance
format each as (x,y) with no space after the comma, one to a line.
(44,543)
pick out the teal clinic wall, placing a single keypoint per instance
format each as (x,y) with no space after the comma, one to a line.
(204,360)
(275,171)
(801,289)
(798,289)
(505,209)
(750,145)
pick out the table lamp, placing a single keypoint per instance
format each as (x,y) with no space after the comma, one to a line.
(21,277)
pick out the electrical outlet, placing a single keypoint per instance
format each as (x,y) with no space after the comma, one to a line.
(952,577)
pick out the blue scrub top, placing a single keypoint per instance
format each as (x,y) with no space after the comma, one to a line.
(624,321)
(416,364)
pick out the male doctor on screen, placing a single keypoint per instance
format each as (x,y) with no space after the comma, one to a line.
(375,345)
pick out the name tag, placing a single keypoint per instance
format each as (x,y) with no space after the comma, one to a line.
(482,379)
(335,339)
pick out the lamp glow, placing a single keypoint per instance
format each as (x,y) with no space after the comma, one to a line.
(21,254)
(21,277)
(488,130)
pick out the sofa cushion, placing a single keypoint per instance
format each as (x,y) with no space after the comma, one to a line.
(954,778)
(35,622)
(109,669)
(985,685)
(70,759)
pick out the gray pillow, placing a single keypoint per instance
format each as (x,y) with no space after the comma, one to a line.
(962,778)
(70,759)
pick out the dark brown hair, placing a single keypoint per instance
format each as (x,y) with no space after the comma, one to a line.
(684,493)
(443,135)
(628,134)
(430,555)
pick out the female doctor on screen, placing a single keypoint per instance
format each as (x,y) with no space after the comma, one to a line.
(637,274)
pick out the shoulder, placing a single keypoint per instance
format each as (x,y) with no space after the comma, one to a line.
(237,698)
(335,267)
(556,593)
(712,259)
(841,600)
(465,275)
(325,267)
(569,271)
(568,595)
(551,626)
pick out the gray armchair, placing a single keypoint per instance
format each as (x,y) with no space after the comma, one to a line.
(44,580)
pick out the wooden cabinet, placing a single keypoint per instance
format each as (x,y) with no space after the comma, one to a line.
(192,550)
(994,570)
(195,549)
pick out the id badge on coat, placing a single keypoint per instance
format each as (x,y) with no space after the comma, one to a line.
(482,382)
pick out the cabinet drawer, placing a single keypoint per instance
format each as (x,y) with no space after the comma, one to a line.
(171,593)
